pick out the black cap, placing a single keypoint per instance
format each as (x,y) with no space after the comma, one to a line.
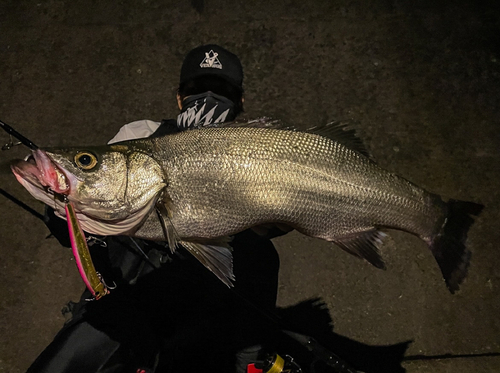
(214,60)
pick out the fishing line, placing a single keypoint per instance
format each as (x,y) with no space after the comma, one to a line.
(142,254)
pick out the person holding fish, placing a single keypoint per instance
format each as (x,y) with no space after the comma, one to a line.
(132,325)
(197,189)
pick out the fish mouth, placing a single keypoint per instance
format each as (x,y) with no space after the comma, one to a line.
(42,176)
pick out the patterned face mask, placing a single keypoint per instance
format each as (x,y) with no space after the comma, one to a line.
(205,110)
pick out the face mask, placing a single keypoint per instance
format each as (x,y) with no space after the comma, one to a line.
(205,110)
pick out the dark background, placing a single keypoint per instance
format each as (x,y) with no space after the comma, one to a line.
(423,81)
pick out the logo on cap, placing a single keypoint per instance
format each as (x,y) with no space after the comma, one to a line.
(211,60)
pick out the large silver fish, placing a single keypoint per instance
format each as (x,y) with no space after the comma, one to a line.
(199,187)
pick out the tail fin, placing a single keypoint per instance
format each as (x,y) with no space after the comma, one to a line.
(448,246)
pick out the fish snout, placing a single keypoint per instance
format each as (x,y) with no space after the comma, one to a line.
(49,174)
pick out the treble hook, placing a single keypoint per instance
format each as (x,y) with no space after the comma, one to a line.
(10,144)
(107,288)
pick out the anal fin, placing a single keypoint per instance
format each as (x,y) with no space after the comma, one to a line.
(364,245)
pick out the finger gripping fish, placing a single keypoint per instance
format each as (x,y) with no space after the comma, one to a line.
(195,188)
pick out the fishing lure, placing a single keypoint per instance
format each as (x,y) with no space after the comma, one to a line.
(93,279)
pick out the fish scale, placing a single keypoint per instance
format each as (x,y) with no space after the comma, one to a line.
(274,175)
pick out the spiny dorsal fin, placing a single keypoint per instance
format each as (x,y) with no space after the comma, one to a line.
(343,132)
(364,245)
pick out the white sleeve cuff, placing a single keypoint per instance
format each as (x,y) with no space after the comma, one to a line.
(135,130)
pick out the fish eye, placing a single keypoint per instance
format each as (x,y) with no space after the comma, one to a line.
(85,160)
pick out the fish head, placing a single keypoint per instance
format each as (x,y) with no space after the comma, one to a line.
(112,188)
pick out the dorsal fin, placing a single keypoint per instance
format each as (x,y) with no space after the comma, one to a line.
(343,132)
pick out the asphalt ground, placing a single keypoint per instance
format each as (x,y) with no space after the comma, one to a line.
(421,80)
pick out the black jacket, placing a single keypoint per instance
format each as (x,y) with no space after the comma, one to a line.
(164,304)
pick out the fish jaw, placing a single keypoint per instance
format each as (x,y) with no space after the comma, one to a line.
(44,179)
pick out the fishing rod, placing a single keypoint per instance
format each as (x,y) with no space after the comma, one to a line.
(21,204)
(13,133)
(24,141)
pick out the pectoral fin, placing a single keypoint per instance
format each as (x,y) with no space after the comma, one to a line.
(168,228)
(364,245)
(215,255)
